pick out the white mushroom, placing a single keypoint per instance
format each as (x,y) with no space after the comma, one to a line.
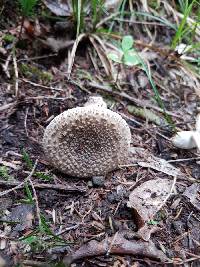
(188,139)
(87,141)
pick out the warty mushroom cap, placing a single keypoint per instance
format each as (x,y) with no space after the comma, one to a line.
(87,141)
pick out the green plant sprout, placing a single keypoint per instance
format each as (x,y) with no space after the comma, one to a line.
(152,222)
(127,55)
(43,237)
(29,198)
(4,173)
(29,163)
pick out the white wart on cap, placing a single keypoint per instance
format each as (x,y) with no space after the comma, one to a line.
(87,141)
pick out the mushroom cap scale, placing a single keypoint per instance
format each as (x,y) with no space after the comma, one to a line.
(87,141)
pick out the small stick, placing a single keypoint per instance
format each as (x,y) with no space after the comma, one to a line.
(42,86)
(36,201)
(5,66)
(25,121)
(58,187)
(16,74)
(130,98)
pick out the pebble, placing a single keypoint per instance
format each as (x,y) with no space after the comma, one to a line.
(196,172)
(98,181)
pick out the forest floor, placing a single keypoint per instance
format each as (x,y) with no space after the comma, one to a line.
(46,216)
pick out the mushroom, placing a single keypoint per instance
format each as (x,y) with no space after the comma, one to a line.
(87,141)
(188,139)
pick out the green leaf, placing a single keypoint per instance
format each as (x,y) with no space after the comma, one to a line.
(9,38)
(127,43)
(131,58)
(4,172)
(29,194)
(152,222)
(30,239)
(114,57)
(27,7)
(43,176)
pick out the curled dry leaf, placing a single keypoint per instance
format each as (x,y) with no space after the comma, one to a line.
(112,4)
(148,198)
(116,245)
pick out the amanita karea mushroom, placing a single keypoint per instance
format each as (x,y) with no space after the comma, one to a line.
(188,139)
(87,141)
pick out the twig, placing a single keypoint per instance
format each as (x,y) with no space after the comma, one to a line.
(182,160)
(36,58)
(25,121)
(20,185)
(79,85)
(42,86)
(16,74)
(120,246)
(73,227)
(169,194)
(111,244)
(58,187)
(73,53)
(36,201)
(130,98)
(5,66)
(34,263)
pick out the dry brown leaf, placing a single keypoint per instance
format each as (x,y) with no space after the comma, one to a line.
(116,245)
(146,231)
(148,198)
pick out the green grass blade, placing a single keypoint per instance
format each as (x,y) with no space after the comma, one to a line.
(182,27)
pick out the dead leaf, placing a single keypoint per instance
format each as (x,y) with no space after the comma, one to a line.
(146,114)
(146,231)
(116,245)
(138,154)
(148,198)
(58,7)
(23,215)
(192,193)
(160,165)
(112,4)
(9,164)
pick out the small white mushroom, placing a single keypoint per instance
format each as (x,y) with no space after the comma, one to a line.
(188,139)
(184,140)
(87,141)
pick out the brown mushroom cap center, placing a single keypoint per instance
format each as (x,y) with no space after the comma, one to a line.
(88,143)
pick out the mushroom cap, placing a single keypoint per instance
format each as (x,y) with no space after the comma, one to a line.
(87,141)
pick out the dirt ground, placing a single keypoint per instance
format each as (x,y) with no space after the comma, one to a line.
(77,211)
